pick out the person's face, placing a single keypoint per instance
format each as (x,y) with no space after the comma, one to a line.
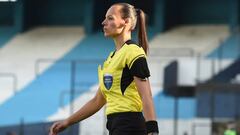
(113,23)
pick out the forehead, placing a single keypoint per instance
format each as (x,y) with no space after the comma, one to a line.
(114,10)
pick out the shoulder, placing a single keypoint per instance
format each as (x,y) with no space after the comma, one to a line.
(131,42)
(132,46)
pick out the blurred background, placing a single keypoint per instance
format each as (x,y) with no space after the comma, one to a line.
(50,50)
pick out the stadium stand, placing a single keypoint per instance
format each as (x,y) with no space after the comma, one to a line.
(181,43)
(19,57)
(50,50)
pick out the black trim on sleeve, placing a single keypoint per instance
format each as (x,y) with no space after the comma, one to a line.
(133,60)
(140,68)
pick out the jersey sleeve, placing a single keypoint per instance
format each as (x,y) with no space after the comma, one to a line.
(140,68)
(137,62)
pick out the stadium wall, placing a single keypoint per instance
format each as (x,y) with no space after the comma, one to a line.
(6,13)
(197,12)
(54,12)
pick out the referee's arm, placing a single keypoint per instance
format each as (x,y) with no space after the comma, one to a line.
(145,93)
(91,107)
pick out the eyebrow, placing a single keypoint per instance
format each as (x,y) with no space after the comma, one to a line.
(109,16)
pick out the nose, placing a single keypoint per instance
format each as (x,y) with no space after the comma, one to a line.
(104,22)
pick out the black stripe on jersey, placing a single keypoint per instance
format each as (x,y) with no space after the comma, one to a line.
(113,54)
(126,79)
(138,69)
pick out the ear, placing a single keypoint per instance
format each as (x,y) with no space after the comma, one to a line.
(123,23)
(128,24)
(127,21)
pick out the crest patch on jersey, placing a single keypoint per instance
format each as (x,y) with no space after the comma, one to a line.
(108,80)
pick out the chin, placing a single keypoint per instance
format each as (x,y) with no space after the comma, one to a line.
(106,35)
(109,35)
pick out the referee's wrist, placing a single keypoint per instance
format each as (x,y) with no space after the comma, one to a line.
(152,127)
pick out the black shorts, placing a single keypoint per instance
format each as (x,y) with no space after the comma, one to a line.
(126,123)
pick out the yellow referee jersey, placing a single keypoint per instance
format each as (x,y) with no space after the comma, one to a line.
(116,78)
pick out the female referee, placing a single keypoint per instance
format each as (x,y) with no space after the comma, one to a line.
(123,79)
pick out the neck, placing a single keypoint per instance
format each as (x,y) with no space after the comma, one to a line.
(121,39)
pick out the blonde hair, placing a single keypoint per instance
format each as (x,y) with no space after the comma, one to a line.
(136,16)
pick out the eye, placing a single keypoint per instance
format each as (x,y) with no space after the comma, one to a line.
(110,18)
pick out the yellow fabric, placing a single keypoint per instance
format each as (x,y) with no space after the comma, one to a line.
(116,101)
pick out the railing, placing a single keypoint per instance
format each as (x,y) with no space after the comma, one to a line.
(68,93)
(73,62)
(176,51)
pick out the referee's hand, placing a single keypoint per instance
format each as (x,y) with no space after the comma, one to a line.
(58,127)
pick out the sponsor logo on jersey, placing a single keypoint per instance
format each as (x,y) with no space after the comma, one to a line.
(108,80)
